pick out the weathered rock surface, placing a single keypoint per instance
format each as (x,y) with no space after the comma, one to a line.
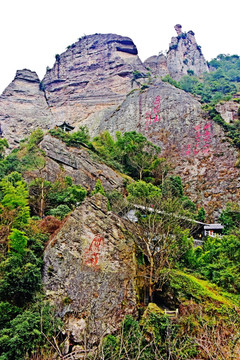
(93,74)
(229,111)
(157,64)
(87,82)
(87,86)
(185,54)
(23,107)
(198,149)
(77,163)
(89,272)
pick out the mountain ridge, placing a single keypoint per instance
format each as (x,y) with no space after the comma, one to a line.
(101,83)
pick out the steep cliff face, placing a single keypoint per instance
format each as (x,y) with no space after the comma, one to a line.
(157,64)
(23,107)
(94,74)
(89,272)
(185,54)
(198,149)
(87,82)
(88,85)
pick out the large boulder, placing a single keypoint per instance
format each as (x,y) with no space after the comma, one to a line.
(89,272)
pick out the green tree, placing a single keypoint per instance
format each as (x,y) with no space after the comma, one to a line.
(60,211)
(160,236)
(201,215)
(230,218)
(3,146)
(98,188)
(17,241)
(38,196)
(15,199)
(138,154)
(59,197)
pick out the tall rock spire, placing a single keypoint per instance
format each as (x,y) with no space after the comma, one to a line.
(185,55)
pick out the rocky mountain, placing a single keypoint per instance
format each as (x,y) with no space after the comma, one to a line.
(88,81)
(197,148)
(183,57)
(23,107)
(93,257)
(100,82)
(94,74)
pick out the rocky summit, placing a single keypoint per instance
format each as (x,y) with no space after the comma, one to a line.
(94,74)
(100,82)
(185,55)
(119,214)
(23,107)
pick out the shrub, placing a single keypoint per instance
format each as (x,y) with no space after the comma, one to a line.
(49,224)
(61,211)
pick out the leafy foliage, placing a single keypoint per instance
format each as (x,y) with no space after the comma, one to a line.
(230,218)
(131,153)
(14,200)
(223,80)
(26,333)
(57,198)
(162,246)
(3,145)
(218,260)
(98,188)
(77,139)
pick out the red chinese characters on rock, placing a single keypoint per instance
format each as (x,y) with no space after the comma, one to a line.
(203,136)
(206,137)
(153,116)
(197,139)
(91,255)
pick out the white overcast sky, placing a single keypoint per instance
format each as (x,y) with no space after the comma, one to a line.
(33,31)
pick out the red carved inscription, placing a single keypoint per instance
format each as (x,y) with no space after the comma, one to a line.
(91,255)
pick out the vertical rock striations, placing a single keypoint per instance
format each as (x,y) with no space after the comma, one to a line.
(184,57)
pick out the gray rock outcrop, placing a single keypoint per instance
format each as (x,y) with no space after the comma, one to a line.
(94,74)
(89,272)
(23,107)
(229,110)
(157,64)
(185,55)
(62,160)
(197,147)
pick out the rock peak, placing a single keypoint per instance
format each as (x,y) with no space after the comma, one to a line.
(27,75)
(185,55)
(178,29)
(95,73)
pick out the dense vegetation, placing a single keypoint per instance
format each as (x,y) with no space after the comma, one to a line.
(221,82)
(219,85)
(175,274)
